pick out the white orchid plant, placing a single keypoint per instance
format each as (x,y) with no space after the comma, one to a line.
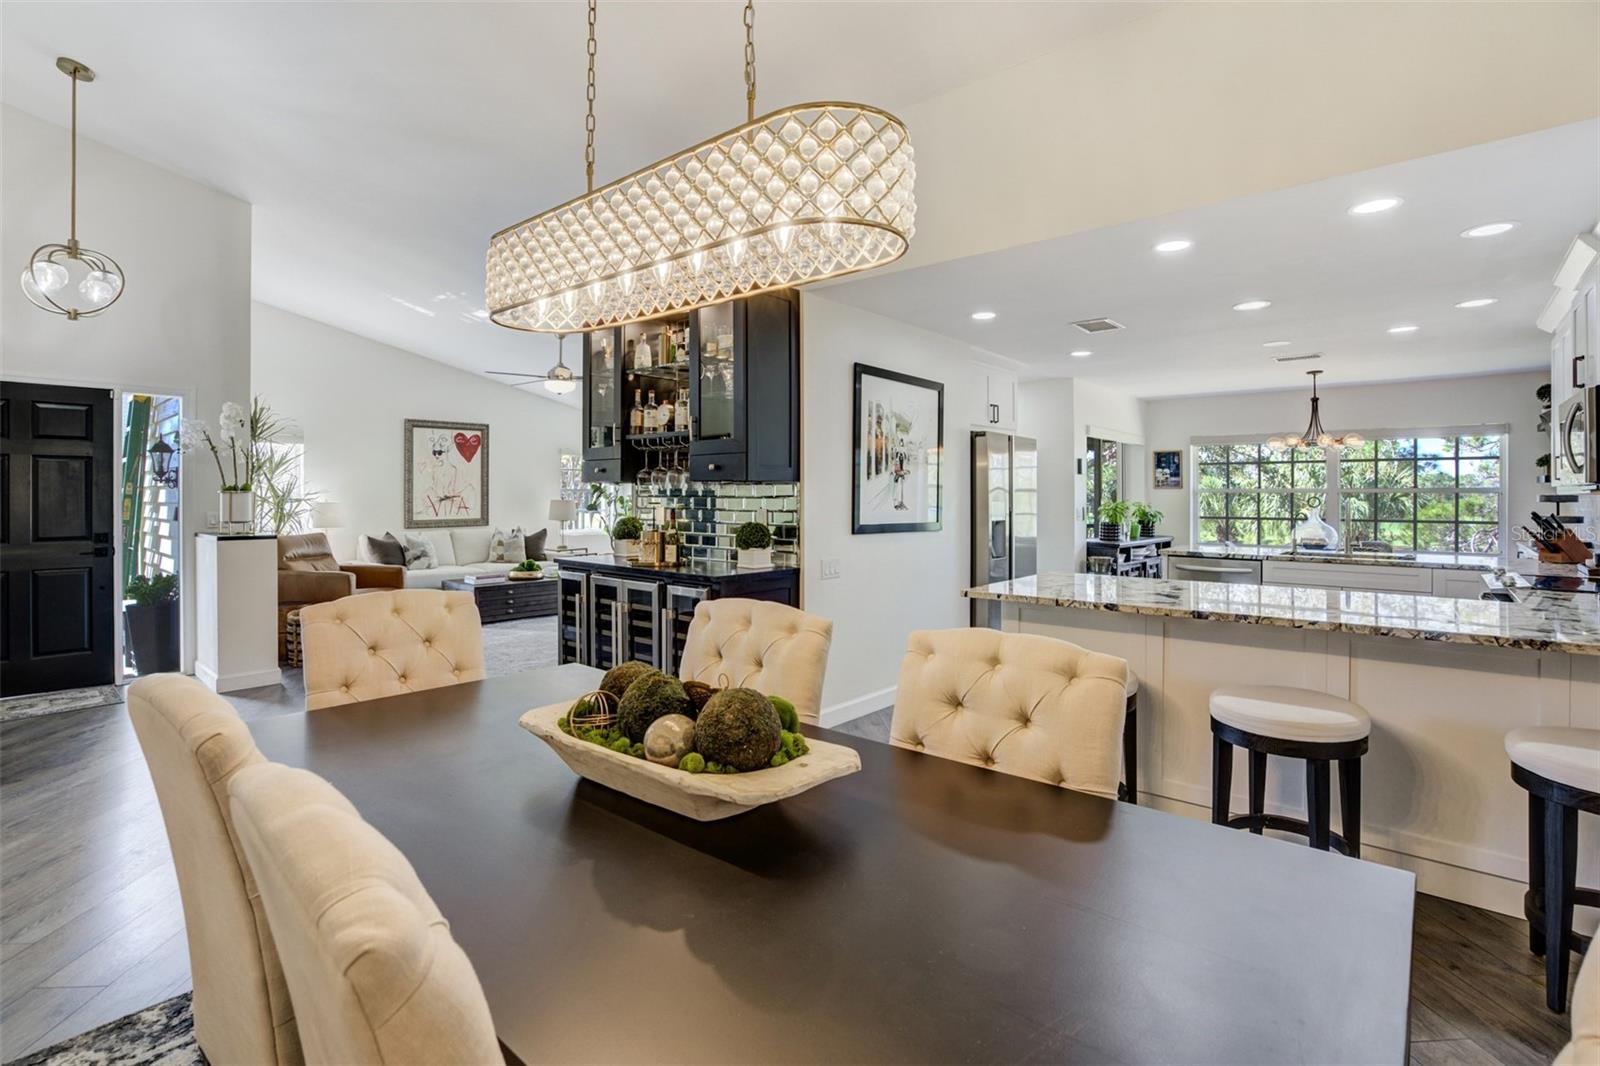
(233,431)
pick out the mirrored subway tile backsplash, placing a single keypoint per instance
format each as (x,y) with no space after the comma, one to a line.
(708,514)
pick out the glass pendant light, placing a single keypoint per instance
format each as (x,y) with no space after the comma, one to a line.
(808,192)
(1315,434)
(69,279)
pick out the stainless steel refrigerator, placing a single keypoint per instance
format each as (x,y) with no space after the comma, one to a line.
(1005,514)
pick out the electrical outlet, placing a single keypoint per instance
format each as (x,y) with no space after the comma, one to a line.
(830,569)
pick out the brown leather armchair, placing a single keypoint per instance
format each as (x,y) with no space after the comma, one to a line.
(308,573)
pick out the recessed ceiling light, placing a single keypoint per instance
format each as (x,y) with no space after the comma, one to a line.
(1252,305)
(1277,344)
(1372,207)
(1489,229)
(1174,246)
(1408,328)
(1080,353)
(1482,301)
(982,316)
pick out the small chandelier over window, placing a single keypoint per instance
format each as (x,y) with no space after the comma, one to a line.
(804,193)
(69,279)
(1315,435)
(163,463)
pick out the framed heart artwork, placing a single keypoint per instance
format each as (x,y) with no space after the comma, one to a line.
(447,474)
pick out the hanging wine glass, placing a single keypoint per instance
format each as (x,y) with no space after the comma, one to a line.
(678,476)
(658,478)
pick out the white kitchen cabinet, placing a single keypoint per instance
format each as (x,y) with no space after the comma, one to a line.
(997,407)
(1459,584)
(1357,577)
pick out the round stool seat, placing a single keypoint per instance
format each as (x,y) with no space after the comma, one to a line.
(1285,713)
(1567,756)
(1130,687)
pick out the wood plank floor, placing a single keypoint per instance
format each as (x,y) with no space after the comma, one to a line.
(91,927)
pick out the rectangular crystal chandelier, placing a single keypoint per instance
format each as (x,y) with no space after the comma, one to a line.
(809,192)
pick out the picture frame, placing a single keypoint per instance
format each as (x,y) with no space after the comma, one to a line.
(897,461)
(446,474)
(1166,468)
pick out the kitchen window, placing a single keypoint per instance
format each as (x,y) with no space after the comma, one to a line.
(1102,480)
(1400,491)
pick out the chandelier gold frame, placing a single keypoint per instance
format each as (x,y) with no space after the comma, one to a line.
(811,191)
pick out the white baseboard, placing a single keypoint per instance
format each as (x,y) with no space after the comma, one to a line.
(234,682)
(856,708)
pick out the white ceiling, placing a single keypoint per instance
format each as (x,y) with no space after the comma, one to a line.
(382,144)
(1336,282)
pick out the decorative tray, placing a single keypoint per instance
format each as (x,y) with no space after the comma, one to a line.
(705,797)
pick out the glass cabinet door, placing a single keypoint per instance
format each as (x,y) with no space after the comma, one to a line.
(716,380)
(602,395)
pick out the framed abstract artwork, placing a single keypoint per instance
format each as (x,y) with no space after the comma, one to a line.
(1167,469)
(447,474)
(897,476)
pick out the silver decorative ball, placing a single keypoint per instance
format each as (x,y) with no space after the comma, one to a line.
(669,739)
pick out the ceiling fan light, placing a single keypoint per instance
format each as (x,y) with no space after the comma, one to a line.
(560,386)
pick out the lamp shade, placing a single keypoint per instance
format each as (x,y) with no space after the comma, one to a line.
(563,510)
(326,514)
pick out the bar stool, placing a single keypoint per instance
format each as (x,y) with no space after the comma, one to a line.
(1128,790)
(1560,768)
(1296,723)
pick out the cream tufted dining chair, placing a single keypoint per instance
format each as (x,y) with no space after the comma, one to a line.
(1022,704)
(770,647)
(386,643)
(195,744)
(1584,1048)
(369,959)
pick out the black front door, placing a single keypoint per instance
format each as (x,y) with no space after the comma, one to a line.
(57,588)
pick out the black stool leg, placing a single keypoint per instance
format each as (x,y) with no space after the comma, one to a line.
(1536,939)
(1221,779)
(1560,880)
(1258,787)
(1350,804)
(1130,751)
(1317,797)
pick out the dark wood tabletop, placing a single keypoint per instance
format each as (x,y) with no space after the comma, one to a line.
(918,911)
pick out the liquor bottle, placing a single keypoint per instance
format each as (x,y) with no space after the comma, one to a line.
(664,415)
(681,415)
(650,413)
(672,539)
(667,345)
(641,354)
(636,414)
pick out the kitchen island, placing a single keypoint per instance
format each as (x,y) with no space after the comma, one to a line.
(1443,679)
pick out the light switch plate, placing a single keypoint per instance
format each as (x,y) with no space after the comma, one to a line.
(830,569)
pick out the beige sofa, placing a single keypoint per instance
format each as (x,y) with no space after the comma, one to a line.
(459,552)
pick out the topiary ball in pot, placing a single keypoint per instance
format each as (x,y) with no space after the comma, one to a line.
(738,728)
(619,677)
(650,697)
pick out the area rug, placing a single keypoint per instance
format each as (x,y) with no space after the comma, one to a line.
(13,708)
(162,1035)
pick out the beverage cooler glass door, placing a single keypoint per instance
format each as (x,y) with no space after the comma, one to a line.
(991,520)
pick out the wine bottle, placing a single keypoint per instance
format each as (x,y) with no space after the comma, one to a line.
(636,415)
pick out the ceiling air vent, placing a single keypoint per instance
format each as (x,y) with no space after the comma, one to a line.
(1296,358)
(1098,325)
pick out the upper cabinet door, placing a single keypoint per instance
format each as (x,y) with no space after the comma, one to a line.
(1584,329)
(997,400)
(602,396)
(718,379)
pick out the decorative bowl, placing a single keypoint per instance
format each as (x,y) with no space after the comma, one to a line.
(525,575)
(704,797)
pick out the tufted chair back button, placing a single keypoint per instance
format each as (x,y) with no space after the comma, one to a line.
(343,663)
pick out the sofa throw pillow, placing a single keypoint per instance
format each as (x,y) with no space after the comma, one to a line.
(506,547)
(419,553)
(533,545)
(386,550)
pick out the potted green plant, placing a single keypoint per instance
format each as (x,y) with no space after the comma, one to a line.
(754,541)
(150,623)
(1146,517)
(1113,516)
(527,570)
(625,534)
(236,502)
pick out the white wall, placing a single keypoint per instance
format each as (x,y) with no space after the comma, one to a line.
(890,583)
(1498,398)
(351,397)
(182,327)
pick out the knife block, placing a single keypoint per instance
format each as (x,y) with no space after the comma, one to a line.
(1572,550)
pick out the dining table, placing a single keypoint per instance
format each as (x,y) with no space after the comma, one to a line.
(919,910)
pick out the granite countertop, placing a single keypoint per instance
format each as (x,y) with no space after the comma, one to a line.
(1424,560)
(702,568)
(1542,621)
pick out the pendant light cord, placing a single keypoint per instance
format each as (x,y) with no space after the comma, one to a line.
(750,60)
(588,121)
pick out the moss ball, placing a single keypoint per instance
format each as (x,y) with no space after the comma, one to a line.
(648,698)
(693,762)
(787,715)
(738,728)
(619,677)
(699,692)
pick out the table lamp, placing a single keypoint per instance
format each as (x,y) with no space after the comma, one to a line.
(562,512)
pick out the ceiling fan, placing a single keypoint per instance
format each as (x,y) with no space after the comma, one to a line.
(560,379)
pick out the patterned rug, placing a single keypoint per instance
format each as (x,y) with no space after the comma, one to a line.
(162,1035)
(13,708)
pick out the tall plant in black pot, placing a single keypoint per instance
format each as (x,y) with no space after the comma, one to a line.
(150,624)
(1113,516)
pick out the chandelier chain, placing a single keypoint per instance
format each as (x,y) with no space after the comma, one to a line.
(750,60)
(588,121)
(72,227)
